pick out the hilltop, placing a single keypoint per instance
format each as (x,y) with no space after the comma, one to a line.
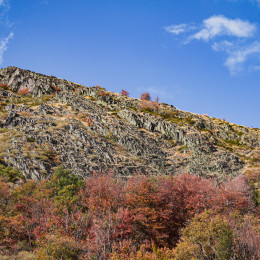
(46,122)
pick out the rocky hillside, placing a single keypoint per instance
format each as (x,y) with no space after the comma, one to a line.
(46,122)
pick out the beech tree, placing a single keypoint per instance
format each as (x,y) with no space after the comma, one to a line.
(145,96)
(143,217)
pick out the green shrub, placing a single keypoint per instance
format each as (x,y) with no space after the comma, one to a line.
(65,185)
(207,237)
(10,174)
(59,248)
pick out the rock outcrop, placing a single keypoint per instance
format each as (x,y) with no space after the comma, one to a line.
(89,129)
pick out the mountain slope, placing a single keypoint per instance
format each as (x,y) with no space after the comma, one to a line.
(46,122)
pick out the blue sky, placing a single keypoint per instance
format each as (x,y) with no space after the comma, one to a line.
(201,56)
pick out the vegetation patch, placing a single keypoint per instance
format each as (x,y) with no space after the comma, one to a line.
(10,174)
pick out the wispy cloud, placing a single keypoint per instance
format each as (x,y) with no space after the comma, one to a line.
(237,54)
(5,4)
(176,29)
(3,46)
(219,25)
(4,25)
(4,8)
(238,57)
(234,37)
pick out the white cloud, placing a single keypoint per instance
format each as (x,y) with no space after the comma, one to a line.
(1,2)
(237,58)
(236,38)
(220,25)
(222,46)
(3,46)
(237,54)
(176,29)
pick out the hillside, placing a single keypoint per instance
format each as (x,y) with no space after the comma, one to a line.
(65,157)
(46,122)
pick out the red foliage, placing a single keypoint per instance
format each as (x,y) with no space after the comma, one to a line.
(110,214)
(145,96)
(55,88)
(149,106)
(234,195)
(125,93)
(24,91)
(102,196)
(5,194)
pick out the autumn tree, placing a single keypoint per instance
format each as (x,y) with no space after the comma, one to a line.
(145,96)
(235,194)
(103,196)
(125,93)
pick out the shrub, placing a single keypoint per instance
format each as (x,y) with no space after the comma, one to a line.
(207,237)
(51,155)
(149,106)
(10,174)
(24,91)
(56,89)
(125,93)
(247,235)
(145,96)
(59,248)
(4,86)
(126,250)
(64,185)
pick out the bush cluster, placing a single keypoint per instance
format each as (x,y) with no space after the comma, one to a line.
(144,217)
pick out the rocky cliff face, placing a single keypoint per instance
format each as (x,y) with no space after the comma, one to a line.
(46,122)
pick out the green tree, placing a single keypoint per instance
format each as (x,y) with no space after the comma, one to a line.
(64,185)
(207,237)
